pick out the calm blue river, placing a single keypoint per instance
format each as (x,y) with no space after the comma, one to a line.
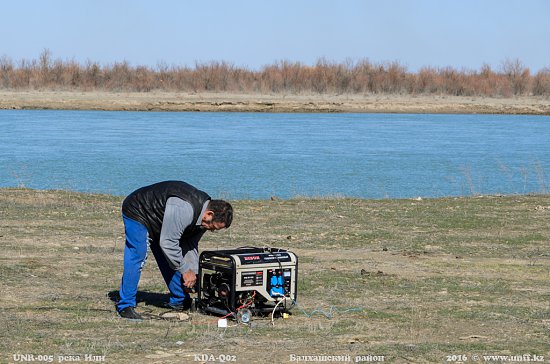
(258,155)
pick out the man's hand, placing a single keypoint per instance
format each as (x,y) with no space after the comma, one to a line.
(189,279)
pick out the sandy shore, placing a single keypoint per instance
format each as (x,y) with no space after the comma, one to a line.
(172,101)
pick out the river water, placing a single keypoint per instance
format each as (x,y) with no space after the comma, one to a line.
(259,155)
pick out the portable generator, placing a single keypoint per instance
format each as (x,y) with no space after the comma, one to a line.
(242,282)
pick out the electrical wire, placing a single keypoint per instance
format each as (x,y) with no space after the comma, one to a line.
(147,313)
(250,301)
(331,311)
(275,308)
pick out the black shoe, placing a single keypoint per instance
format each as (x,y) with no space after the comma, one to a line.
(184,306)
(130,314)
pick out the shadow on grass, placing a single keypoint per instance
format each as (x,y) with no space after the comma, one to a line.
(150,298)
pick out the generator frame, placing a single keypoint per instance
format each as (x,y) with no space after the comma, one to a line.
(236,279)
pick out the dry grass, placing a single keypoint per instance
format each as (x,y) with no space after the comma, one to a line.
(433,278)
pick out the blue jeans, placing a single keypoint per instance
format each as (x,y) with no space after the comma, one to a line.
(135,256)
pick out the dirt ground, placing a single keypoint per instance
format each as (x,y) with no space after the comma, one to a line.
(423,281)
(172,101)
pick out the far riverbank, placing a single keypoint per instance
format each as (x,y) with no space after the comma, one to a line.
(230,102)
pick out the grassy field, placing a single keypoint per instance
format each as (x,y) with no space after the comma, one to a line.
(432,278)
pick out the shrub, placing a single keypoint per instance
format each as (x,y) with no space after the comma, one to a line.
(284,76)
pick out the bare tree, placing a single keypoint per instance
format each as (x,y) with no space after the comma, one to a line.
(517,74)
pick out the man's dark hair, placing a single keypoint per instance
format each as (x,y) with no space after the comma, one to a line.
(223,211)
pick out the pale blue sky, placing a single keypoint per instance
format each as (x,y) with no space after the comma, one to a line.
(461,34)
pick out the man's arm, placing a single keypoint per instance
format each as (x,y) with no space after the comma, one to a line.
(190,249)
(178,215)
